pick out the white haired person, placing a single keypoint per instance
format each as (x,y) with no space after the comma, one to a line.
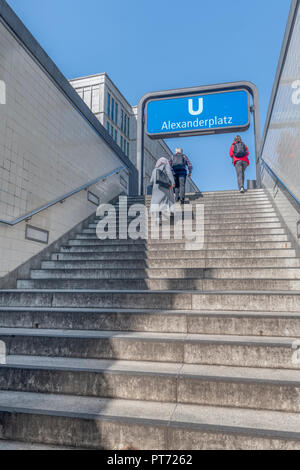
(162,179)
(179,164)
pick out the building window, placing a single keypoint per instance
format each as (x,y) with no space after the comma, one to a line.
(128,128)
(112,109)
(116,135)
(108,105)
(107,127)
(116,113)
(112,131)
(127,149)
(122,119)
(121,141)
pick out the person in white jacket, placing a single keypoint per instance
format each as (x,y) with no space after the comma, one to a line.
(162,201)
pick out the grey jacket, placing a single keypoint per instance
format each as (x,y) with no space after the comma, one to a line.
(162,198)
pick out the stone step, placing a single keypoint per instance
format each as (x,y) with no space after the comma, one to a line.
(207,193)
(179,233)
(168,273)
(234,205)
(225,231)
(255,284)
(209,217)
(124,273)
(212,238)
(239,211)
(154,320)
(208,232)
(224,225)
(123,284)
(223,196)
(235,387)
(9,445)
(156,255)
(163,284)
(236,351)
(236,197)
(97,245)
(193,197)
(116,424)
(213,197)
(271,301)
(174,263)
(252,273)
(211,209)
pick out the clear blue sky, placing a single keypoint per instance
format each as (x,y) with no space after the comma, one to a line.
(149,45)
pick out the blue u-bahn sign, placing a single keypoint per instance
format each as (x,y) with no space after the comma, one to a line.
(208,113)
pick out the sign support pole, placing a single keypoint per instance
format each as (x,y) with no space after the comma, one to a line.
(250,87)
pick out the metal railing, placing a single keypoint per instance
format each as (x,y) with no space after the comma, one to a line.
(61,199)
(278,180)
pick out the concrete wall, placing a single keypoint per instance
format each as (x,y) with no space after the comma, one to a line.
(49,146)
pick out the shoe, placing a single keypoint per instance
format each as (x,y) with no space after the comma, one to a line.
(242,190)
(182,202)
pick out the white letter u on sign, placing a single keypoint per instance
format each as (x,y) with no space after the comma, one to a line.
(191,107)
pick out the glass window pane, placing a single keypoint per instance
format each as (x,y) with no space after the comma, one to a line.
(116,113)
(107,126)
(108,104)
(112,111)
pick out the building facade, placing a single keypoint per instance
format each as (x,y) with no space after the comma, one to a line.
(120,120)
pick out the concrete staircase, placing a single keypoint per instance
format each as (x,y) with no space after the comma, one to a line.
(121,343)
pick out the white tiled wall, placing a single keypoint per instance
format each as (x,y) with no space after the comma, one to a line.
(47,149)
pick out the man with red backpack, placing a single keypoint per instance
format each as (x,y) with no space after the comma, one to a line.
(179,164)
(239,153)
